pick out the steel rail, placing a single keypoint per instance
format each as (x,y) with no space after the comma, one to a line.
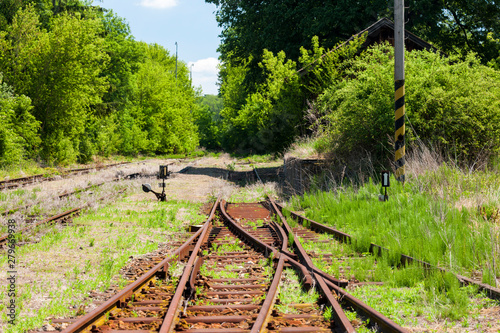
(67,213)
(267,306)
(307,279)
(94,317)
(491,292)
(169,319)
(249,239)
(338,313)
(382,321)
(16,182)
(67,194)
(385,323)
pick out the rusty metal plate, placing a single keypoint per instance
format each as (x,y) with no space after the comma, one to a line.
(248,211)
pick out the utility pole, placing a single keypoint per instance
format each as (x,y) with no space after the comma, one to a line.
(176,60)
(399,87)
(191,73)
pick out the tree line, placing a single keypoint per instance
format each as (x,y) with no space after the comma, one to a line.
(75,84)
(285,74)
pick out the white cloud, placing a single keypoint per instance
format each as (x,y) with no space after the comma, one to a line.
(159,4)
(205,73)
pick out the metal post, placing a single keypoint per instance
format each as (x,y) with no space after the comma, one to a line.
(399,87)
(176,60)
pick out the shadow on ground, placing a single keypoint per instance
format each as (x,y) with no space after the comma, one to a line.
(240,178)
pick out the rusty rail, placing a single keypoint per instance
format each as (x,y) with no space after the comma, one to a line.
(57,217)
(67,194)
(385,323)
(168,321)
(238,230)
(267,306)
(94,317)
(338,313)
(16,182)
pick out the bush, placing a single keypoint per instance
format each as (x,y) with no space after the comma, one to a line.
(18,128)
(450,103)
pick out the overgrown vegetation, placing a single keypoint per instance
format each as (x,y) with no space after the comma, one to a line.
(451,104)
(96,246)
(268,81)
(442,215)
(76,85)
(460,238)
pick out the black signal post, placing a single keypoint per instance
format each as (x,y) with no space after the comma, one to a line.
(163,174)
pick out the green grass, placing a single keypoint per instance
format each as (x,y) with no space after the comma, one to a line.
(435,218)
(403,304)
(458,239)
(66,282)
(291,291)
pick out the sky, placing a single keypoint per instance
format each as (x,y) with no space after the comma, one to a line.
(190,23)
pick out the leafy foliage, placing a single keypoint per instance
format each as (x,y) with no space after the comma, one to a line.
(18,137)
(249,27)
(272,116)
(92,89)
(450,103)
(267,120)
(167,118)
(209,122)
(60,71)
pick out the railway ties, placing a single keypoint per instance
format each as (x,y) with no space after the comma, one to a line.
(221,302)
(231,275)
(62,217)
(229,284)
(232,286)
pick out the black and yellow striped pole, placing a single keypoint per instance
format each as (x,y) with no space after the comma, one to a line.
(399,87)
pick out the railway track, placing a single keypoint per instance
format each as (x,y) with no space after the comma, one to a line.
(53,219)
(232,271)
(314,228)
(68,194)
(19,182)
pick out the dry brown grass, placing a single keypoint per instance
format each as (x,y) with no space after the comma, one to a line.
(421,160)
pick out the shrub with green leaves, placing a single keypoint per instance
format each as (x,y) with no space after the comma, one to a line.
(452,103)
(18,128)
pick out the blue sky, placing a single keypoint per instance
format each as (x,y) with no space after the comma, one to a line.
(190,23)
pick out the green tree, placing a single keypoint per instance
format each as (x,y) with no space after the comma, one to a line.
(18,128)
(60,70)
(208,119)
(251,26)
(164,103)
(267,121)
(451,104)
